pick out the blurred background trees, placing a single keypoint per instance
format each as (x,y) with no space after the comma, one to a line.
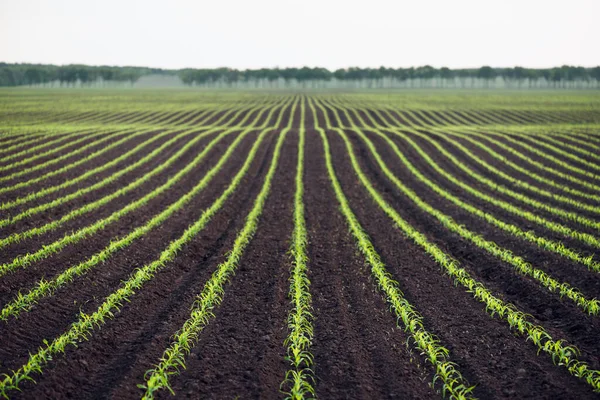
(564,77)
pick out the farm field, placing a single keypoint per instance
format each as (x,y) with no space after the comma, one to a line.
(402,244)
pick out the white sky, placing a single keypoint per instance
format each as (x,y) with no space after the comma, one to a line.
(332,34)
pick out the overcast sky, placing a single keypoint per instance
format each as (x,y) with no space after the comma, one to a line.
(284,33)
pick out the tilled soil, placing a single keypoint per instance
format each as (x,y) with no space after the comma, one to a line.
(360,351)
(482,346)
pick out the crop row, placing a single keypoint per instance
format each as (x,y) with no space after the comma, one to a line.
(562,354)
(87,323)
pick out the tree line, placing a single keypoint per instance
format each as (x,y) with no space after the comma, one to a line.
(415,77)
(69,75)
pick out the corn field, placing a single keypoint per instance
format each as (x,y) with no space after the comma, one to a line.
(301,244)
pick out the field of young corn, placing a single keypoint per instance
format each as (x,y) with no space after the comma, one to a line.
(298,245)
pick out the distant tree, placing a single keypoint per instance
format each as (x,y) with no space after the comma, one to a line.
(556,76)
(487,74)
(400,74)
(463,75)
(187,76)
(425,76)
(339,74)
(425,73)
(566,75)
(107,74)
(446,74)
(33,76)
(578,75)
(83,75)
(520,75)
(411,75)
(289,75)
(507,75)
(533,76)
(595,74)
(67,75)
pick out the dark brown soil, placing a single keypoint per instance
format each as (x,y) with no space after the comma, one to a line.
(68,149)
(58,211)
(357,344)
(499,362)
(359,350)
(27,143)
(160,308)
(86,248)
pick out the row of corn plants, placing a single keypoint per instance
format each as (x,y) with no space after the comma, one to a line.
(490,137)
(42,138)
(495,185)
(542,242)
(299,379)
(47,287)
(98,185)
(530,236)
(211,296)
(526,142)
(561,353)
(583,136)
(20,140)
(454,131)
(85,232)
(48,147)
(446,372)
(528,200)
(576,203)
(136,132)
(590,306)
(44,288)
(114,144)
(75,140)
(89,173)
(558,139)
(509,207)
(502,117)
(527,171)
(68,155)
(96,204)
(83,328)
(564,214)
(98,138)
